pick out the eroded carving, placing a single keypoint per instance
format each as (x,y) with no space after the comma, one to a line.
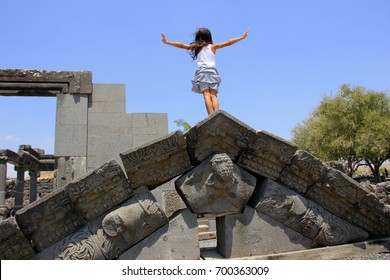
(305,216)
(216,187)
(99,190)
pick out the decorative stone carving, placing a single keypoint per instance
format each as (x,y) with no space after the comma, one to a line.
(267,155)
(304,171)
(216,187)
(347,199)
(99,190)
(304,216)
(21,82)
(219,133)
(134,220)
(157,162)
(13,244)
(49,219)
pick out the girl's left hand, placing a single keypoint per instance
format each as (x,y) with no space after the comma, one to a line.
(163,38)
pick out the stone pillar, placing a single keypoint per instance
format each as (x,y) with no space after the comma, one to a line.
(33,185)
(3,188)
(19,188)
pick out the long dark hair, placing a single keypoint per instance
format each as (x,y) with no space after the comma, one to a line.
(202,38)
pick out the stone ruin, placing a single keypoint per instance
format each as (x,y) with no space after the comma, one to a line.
(111,200)
(265,194)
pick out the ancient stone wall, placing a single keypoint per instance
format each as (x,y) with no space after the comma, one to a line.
(266,195)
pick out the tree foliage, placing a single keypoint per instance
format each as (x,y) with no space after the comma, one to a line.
(184,125)
(353,125)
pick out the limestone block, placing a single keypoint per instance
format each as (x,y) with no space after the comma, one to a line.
(267,155)
(49,219)
(219,133)
(99,190)
(112,233)
(134,220)
(177,240)
(216,187)
(13,244)
(157,162)
(253,234)
(303,215)
(304,171)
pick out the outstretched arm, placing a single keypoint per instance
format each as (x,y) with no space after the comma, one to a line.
(174,44)
(230,42)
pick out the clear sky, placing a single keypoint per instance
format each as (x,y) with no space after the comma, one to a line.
(296,52)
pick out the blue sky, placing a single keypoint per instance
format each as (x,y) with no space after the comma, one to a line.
(296,52)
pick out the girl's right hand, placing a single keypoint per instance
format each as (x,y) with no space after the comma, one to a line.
(245,34)
(163,38)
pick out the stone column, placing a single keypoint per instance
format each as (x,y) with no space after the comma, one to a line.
(33,185)
(19,188)
(3,188)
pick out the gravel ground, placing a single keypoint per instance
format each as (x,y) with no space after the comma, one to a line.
(381,256)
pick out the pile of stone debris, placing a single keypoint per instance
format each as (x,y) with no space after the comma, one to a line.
(381,190)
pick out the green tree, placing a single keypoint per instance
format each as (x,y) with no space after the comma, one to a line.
(353,126)
(185,126)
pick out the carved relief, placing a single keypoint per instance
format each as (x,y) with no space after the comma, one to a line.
(99,190)
(158,162)
(219,133)
(267,155)
(304,171)
(216,187)
(49,219)
(304,216)
(13,244)
(134,220)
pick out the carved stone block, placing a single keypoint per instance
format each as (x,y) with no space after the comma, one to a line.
(113,233)
(219,133)
(49,219)
(304,171)
(303,215)
(216,187)
(13,244)
(177,240)
(134,220)
(157,162)
(172,202)
(99,190)
(267,155)
(252,233)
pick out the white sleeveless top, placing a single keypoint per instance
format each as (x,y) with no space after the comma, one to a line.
(206,57)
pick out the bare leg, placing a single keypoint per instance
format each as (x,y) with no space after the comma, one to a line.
(210,100)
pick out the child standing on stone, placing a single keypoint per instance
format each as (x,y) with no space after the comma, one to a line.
(206,80)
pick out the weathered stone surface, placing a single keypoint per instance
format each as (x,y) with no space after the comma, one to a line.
(80,245)
(22,82)
(157,162)
(345,198)
(178,240)
(219,133)
(303,215)
(304,171)
(253,233)
(216,187)
(267,155)
(113,233)
(137,218)
(99,190)
(172,202)
(49,219)
(13,244)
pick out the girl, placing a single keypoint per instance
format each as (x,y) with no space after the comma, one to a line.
(206,80)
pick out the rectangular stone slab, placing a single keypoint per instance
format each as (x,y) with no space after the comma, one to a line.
(99,190)
(157,162)
(49,219)
(267,155)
